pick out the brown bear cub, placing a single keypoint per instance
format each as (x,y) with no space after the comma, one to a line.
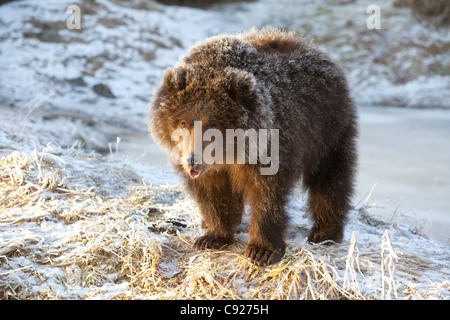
(261,81)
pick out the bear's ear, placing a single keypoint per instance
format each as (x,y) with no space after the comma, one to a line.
(174,79)
(242,88)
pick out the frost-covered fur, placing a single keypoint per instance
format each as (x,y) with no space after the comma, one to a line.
(264,79)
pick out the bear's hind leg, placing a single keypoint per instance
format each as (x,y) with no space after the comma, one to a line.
(330,188)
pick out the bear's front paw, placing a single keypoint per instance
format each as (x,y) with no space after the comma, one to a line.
(263,256)
(210,241)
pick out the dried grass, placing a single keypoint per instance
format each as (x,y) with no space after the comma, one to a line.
(229,275)
(24,178)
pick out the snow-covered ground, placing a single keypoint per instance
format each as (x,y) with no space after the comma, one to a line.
(78,224)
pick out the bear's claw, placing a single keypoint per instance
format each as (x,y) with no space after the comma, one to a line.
(262,256)
(212,242)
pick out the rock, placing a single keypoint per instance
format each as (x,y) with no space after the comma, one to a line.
(77,82)
(170,226)
(103,90)
(167,269)
(153,211)
(49,35)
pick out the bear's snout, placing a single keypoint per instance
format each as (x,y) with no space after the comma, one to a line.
(194,165)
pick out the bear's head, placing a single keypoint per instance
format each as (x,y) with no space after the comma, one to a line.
(194,108)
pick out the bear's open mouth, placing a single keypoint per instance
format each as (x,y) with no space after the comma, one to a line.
(195,174)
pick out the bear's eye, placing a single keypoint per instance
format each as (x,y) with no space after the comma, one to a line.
(213,126)
(183,124)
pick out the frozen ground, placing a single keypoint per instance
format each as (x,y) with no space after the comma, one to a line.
(105,224)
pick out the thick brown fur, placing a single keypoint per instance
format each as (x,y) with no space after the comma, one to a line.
(264,79)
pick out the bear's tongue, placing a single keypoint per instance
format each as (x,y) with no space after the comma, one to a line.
(194,174)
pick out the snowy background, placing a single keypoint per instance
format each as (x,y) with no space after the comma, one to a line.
(74,141)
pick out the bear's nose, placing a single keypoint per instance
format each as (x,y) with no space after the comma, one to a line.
(194,159)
